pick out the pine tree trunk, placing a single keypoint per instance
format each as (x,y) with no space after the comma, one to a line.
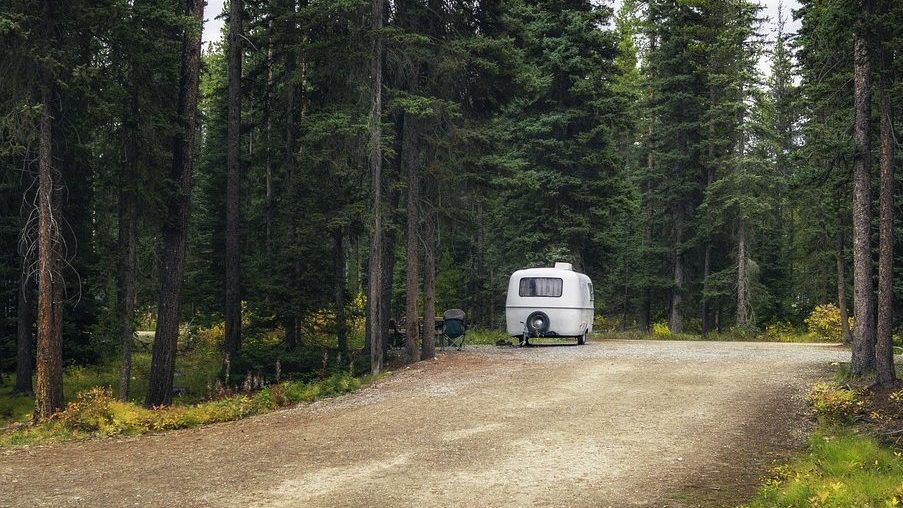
(648,211)
(268,197)
(884,347)
(842,291)
(863,359)
(232,314)
(126,292)
(338,260)
(290,342)
(388,283)
(707,262)
(375,300)
(742,282)
(49,365)
(412,286)
(706,273)
(175,228)
(675,320)
(429,288)
(24,334)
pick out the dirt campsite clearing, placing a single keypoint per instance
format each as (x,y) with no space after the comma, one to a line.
(613,423)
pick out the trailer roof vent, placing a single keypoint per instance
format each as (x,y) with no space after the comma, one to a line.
(564,266)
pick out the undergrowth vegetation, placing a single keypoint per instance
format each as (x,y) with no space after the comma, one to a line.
(195,371)
(97,413)
(822,325)
(852,459)
(841,469)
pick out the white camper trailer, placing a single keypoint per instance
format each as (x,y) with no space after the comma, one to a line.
(549,302)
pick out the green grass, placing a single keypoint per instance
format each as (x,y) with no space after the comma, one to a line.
(840,469)
(486,336)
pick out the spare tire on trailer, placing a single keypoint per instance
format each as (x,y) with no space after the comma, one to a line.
(538,323)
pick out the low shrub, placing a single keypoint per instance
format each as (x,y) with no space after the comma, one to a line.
(834,403)
(783,332)
(824,323)
(660,330)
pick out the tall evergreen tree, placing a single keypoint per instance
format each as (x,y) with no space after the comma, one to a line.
(175,230)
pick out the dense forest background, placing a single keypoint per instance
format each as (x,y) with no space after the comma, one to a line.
(148,182)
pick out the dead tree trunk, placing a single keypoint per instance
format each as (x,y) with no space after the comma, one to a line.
(175,227)
(338,260)
(429,287)
(376,230)
(232,341)
(863,359)
(412,293)
(842,291)
(884,346)
(49,368)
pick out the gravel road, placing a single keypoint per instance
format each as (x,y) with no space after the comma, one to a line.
(613,423)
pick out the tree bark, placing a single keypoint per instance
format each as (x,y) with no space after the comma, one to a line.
(412,293)
(291,332)
(126,292)
(49,365)
(387,282)
(706,273)
(268,197)
(707,262)
(376,230)
(175,228)
(884,347)
(842,292)
(429,288)
(24,334)
(232,342)
(338,260)
(675,320)
(742,282)
(863,357)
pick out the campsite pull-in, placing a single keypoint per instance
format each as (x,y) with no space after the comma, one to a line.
(442,253)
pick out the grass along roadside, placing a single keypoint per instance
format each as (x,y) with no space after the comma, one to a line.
(194,369)
(854,456)
(96,413)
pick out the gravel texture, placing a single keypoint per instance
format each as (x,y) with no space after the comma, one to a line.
(613,423)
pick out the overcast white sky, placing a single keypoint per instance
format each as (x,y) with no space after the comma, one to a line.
(214,23)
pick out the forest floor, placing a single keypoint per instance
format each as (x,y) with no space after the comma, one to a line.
(613,423)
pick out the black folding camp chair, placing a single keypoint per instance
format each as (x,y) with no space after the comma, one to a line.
(454,328)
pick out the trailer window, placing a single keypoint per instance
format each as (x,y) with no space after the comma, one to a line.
(541,286)
(589,287)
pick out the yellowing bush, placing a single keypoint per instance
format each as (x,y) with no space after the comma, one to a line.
(96,411)
(834,403)
(660,330)
(782,331)
(824,323)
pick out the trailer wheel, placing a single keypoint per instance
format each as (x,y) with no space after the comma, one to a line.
(581,340)
(538,323)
